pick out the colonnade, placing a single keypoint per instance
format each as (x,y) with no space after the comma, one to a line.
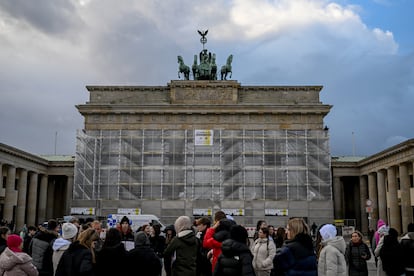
(385,190)
(33,189)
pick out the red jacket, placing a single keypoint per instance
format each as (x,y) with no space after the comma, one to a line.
(210,243)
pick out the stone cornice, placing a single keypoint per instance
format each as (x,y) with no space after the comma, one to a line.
(204,109)
(6,149)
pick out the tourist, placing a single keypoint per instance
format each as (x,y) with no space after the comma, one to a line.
(357,253)
(13,261)
(79,259)
(332,256)
(297,256)
(184,246)
(210,242)
(382,232)
(236,258)
(143,257)
(407,244)
(264,250)
(4,233)
(40,247)
(169,235)
(203,263)
(391,254)
(112,252)
(61,244)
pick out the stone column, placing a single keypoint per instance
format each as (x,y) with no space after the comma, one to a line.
(406,209)
(10,198)
(21,200)
(395,213)
(69,193)
(363,196)
(338,198)
(373,195)
(32,199)
(382,196)
(50,210)
(42,199)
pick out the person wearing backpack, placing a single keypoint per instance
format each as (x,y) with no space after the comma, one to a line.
(41,248)
(236,257)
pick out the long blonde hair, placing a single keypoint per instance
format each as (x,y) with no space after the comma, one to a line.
(87,238)
(297,226)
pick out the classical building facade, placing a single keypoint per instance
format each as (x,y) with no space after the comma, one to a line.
(376,187)
(193,147)
(34,188)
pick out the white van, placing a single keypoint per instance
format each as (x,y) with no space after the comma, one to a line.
(135,221)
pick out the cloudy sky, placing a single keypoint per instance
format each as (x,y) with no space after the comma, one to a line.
(361,51)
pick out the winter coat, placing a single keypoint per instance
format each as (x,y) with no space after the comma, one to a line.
(235,260)
(40,249)
(210,242)
(144,258)
(391,256)
(376,234)
(263,251)
(357,265)
(332,258)
(407,244)
(110,255)
(296,257)
(184,246)
(203,263)
(76,260)
(59,247)
(16,264)
(380,271)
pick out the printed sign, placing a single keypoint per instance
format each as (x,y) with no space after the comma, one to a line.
(202,212)
(276,212)
(234,212)
(129,211)
(82,211)
(203,137)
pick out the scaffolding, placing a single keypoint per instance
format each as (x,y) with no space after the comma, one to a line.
(160,164)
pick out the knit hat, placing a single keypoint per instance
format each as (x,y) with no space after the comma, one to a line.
(69,230)
(124,219)
(13,242)
(182,223)
(238,233)
(328,231)
(383,230)
(141,239)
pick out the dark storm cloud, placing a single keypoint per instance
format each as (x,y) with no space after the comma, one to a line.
(52,17)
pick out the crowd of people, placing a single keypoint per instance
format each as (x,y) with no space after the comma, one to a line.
(202,247)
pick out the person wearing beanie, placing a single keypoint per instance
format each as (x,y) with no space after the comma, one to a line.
(13,261)
(144,257)
(170,233)
(382,232)
(236,258)
(61,244)
(357,253)
(127,235)
(332,256)
(184,245)
(40,247)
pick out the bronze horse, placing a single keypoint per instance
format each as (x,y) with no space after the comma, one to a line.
(225,69)
(182,68)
